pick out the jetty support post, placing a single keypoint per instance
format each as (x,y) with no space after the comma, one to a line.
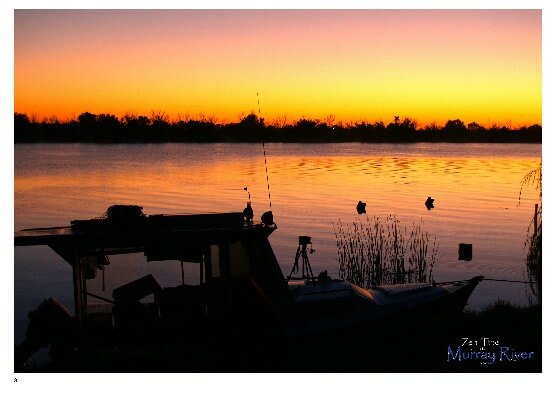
(71,254)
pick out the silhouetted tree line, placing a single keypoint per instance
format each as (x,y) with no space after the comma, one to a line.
(107,128)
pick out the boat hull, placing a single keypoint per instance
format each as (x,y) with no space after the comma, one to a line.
(342,307)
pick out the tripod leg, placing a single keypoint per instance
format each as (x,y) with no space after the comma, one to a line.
(306,268)
(295,265)
(309,268)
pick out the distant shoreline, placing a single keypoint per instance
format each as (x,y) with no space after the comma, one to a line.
(108,129)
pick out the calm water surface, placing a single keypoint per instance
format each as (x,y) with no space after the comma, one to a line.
(313,186)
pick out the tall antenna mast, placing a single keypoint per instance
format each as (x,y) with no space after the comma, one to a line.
(265,157)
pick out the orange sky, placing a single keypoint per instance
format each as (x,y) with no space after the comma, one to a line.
(476,65)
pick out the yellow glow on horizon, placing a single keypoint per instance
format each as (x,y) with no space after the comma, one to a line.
(431,66)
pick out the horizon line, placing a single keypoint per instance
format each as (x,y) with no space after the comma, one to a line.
(285,119)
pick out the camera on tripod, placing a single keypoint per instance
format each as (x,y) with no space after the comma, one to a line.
(303,243)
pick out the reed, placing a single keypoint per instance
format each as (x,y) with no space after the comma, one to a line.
(533,261)
(373,252)
(533,242)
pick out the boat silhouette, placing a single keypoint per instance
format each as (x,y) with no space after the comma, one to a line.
(242,295)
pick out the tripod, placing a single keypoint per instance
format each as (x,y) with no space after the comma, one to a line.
(303,242)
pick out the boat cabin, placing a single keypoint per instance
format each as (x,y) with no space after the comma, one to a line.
(239,277)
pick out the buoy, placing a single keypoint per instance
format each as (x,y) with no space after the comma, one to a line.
(361,207)
(429,203)
(465,252)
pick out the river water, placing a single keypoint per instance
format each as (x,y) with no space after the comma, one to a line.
(476,189)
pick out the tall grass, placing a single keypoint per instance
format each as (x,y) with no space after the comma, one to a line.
(533,242)
(375,252)
(533,259)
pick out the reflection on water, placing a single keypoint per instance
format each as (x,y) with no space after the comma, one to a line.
(475,187)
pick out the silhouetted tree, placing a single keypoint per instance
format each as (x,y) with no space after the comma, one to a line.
(160,119)
(89,127)
(307,124)
(535,128)
(475,127)
(432,127)
(51,120)
(24,130)
(493,128)
(21,121)
(108,121)
(280,121)
(143,121)
(87,120)
(379,126)
(251,121)
(455,126)
(330,120)
(407,125)
(203,118)
(135,122)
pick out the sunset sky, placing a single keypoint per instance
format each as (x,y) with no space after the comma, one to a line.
(430,65)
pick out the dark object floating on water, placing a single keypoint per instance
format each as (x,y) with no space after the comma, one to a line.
(465,252)
(429,203)
(242,295)
(361,207)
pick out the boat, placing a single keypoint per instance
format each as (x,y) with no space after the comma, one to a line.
(335,304)
(242,301)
